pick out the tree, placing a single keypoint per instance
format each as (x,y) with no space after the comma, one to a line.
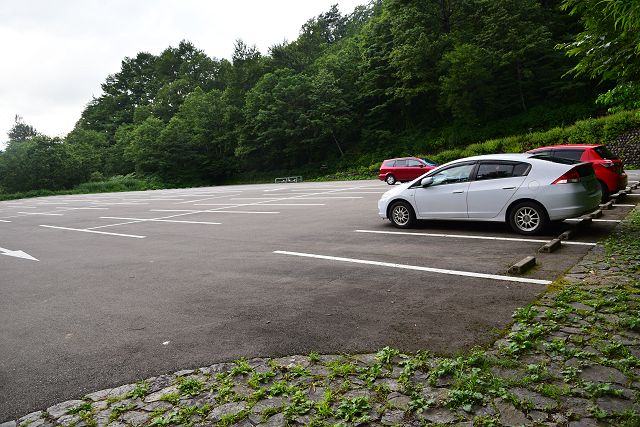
(466,85)
(609,47)
(21,131)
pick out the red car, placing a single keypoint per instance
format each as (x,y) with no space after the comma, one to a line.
(608,167)
(404,169)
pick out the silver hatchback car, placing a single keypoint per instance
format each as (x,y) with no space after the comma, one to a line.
(525,191)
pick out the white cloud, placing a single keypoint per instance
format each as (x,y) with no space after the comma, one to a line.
(57,53)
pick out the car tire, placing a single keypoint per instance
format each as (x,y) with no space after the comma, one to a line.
(401,215)
(605,192)
(528,218)
(390,179)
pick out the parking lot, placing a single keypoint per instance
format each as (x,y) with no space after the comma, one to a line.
(99,290)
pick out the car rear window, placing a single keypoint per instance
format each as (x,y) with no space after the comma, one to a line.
(573,153)
(605,153)
(560,160)
(389,163)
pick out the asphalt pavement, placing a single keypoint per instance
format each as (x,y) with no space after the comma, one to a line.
(124,286)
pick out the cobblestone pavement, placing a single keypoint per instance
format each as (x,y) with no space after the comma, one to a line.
(570,359)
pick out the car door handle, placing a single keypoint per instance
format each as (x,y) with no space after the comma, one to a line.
(458,191)
(508,188)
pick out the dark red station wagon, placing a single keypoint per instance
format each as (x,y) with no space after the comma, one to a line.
(608,167)
(404,169)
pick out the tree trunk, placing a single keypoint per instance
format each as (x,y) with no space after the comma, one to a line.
(338,144)
(520,91)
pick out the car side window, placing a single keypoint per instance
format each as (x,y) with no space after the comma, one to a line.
(453,175)
(413,163)
(401,163)
(494,171)
(389,163)
(521,169)
(573,154)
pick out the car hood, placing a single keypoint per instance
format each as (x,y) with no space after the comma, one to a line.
(396,190)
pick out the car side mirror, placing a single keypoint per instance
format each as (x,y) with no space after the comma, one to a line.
(426,181)
(421,166)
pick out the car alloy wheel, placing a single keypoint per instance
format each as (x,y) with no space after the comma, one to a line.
(401,215)
(528,218)
(390,179)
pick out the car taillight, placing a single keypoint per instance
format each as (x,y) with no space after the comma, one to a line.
(571,177)
(607,163)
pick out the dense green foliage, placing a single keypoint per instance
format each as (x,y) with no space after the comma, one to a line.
(609,47)
(391,78)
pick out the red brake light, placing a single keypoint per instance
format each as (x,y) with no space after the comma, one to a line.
(571,177)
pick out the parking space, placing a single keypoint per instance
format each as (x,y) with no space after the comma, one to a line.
(126,285)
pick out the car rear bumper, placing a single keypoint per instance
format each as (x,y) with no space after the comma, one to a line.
(563,205)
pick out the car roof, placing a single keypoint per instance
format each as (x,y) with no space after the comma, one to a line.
(567,146)
(404,158)
(505,156)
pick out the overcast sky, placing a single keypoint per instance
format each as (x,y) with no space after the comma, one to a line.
(55,54)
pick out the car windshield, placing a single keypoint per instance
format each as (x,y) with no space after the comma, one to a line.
(429,162)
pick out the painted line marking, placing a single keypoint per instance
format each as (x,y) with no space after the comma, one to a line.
(156,220)
(594,220)
(75,209)
(632,194)
(231,193)
(2,220)
(293,204)
(623,206)
(86,230)
(41,213)
(418,268)
(241,212)
(174,210)
(119,203)
(465,236)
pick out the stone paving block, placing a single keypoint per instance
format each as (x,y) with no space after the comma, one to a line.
(276,420)
(56,411)
(227,409)
(391,418)
(603,374)
(510,416)
(439,415)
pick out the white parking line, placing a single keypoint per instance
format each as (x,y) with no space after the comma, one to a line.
(2,220)
(74,209)
(86,230)
(119,203)
(594,220)
(156,220)
(292,204)
(632,194)
(466,236)
(41,213)
(231,193)
(174,210)
(623,206)
(418,268)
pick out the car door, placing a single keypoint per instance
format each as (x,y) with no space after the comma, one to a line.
(414,169)
(494,184)
(400,170)
(446,197)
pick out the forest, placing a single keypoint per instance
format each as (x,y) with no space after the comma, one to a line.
(392,77)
